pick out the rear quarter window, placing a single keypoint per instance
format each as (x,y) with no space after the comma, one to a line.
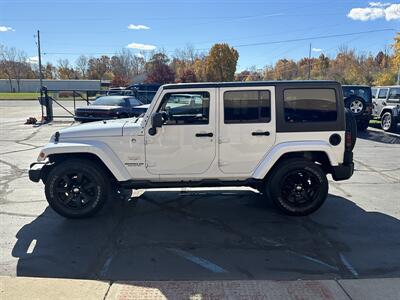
(309,105)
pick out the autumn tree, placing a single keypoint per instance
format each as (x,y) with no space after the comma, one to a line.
(158,70)
(65,70)
(99,67)
(221,63)
(13,63)
(82,66)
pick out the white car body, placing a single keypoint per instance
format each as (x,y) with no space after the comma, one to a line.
(176,154)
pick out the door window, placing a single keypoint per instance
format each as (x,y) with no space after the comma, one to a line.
(247,107)
(382,93)
(186,109)
(394,93)
(309,105)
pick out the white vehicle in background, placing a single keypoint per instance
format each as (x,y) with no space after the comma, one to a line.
(386,106)
(282,138)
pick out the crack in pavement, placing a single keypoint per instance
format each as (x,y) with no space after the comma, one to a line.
(385,177)
(15,173)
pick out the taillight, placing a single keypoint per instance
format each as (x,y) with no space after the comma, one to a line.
(348,139)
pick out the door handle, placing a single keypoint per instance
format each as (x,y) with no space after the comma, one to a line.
(201,134)
(255,133)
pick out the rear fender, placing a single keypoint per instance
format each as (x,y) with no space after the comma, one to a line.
(280,149)
(100,149)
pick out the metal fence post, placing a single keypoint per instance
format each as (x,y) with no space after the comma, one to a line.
(49,106)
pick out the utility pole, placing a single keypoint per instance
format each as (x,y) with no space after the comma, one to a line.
(40,62)
(309,63)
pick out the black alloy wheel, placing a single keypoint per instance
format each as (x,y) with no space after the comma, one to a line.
(76,188)
(297,186)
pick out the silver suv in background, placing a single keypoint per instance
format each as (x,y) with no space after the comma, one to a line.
(386,106)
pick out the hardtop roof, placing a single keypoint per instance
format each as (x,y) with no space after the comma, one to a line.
(248,84)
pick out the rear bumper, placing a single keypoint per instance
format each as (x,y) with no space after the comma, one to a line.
(345,170)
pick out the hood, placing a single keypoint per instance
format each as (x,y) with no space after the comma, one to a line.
(94,129)
(98,107)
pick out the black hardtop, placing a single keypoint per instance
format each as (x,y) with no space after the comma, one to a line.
(287,83)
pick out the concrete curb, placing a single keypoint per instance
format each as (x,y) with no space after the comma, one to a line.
(50,288)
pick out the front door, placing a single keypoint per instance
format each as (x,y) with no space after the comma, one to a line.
(380,101)
(186,143)
(247,127)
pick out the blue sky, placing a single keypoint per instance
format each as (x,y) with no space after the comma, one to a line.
(73,27)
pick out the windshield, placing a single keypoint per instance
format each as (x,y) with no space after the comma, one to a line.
(358,91)
(110,101)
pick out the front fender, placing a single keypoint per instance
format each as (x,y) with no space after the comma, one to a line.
(280,149)
(100,149)
(394,109)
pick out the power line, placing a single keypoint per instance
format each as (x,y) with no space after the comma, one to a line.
(310,38)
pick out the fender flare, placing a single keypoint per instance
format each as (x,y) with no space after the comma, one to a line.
(279,150)
(394,109)
(100,149)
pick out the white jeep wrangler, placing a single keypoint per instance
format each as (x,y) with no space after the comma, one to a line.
(281,138)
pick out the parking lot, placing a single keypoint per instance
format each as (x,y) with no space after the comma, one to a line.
(199,234)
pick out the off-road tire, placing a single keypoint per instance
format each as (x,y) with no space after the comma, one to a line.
(356,105)
(76,188)
(388,123)
(315,187)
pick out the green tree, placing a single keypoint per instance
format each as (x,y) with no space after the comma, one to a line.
(221,63)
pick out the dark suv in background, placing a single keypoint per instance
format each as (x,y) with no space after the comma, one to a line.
(358,99)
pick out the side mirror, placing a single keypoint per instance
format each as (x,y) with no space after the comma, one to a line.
(157,121)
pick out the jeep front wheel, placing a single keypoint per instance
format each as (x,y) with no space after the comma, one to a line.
(76,188)
(298,187)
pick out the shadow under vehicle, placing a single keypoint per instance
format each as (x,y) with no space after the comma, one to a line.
(153,237)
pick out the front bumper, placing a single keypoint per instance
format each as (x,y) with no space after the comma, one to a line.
(345,170)
(36,171)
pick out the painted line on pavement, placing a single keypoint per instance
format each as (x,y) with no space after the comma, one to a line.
(106,266)
(314,260)
(31,247)
(198,260)
(348,265)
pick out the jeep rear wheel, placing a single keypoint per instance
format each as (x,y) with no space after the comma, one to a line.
(76,188)
(298,187)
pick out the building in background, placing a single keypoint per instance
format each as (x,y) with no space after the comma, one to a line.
(33,85)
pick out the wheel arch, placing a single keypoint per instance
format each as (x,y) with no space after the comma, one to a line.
(95,152)
(392,109)
(319,153)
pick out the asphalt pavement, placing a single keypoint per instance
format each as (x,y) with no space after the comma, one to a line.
(199,234)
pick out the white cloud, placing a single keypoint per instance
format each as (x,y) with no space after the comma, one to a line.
(33,60)
(376,10)
(5,28)
(392,12)
(138,27)
(140,46)
(316,49)
(379,4)
(140,55)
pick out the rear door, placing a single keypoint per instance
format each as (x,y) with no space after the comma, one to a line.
(394,96)
(246,127)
